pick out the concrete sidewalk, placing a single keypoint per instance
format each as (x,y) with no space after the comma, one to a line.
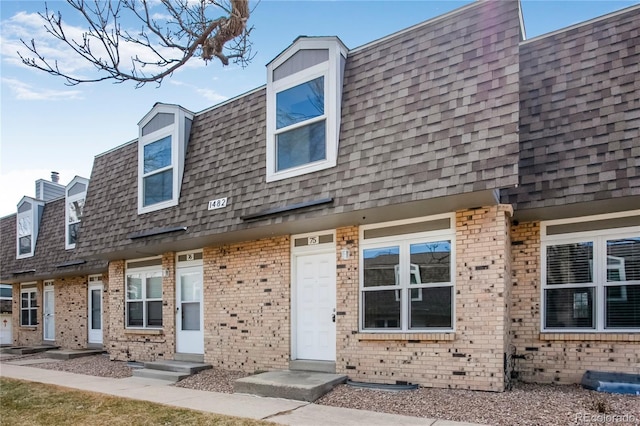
(282,411)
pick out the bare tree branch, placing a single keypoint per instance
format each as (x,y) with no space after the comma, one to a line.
(187,31)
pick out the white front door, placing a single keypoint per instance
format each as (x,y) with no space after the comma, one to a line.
(315,307)
(189,318)
(6,308)
(95,313)
(5,329)
(48,314)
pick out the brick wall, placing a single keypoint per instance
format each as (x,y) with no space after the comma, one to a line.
(71,312)
(556,357)
(140,344)
(105,310)
(247,305)
(26,336)
(471,357)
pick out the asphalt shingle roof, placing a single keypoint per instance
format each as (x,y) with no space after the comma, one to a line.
(580,114)
(50,254)
(427,113)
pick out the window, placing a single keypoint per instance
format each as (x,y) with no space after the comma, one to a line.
(28,306)
(27,224)
(144,297)
(157,177)
(75,195)
(6,299)
(164,135)
(24,234)
(407,281)
(304,92)
(591,280)
(300,125)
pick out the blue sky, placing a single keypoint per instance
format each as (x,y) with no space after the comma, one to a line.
(46,126)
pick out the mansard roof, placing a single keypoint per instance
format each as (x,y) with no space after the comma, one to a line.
(429,121)
(580,119)
(50,259)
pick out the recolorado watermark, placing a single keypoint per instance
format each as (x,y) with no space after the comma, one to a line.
(606,418)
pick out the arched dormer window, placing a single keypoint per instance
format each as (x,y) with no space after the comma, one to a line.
(162,144)
(304,96)
(27,226)
(75,194)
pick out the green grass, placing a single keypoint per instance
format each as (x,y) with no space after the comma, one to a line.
(28,403)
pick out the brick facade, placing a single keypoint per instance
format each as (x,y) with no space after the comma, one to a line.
(247,305)
(140,344)
(247,315)
(105,311)
(71,314)
(470,357)
(26,336)
(246,308)
(556,357)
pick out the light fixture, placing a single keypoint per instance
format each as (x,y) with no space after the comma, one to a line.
(344,254)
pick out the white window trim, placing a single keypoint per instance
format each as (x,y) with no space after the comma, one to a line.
(144,271)
(34,215)
(331,70)
(320,248)
(599,273)
(177,132)
(404,242)
(143,142)
(28,288)
(189,263)
(19,218)
(70,199)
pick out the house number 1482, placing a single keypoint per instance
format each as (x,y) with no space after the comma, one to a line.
(218,203)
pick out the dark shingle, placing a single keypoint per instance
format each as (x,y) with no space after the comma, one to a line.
(580,114)
(50,259)
(427,113)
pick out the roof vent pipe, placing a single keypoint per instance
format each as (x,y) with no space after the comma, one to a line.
(55,177)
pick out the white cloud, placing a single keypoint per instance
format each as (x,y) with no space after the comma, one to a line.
(28,26)
(27,92)
(208,94)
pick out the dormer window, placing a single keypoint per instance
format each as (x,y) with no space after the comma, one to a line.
(164,135)
(27,224)
(304,95)
(75,195)
(158,172)
(25,232)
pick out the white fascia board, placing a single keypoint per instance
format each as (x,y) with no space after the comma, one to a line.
(158,108)
(307,43)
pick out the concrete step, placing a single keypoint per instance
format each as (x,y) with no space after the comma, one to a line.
(169,376)
(72,353)
(298,385)
(188,357)
(26,350)
(308,365)
(177,366)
